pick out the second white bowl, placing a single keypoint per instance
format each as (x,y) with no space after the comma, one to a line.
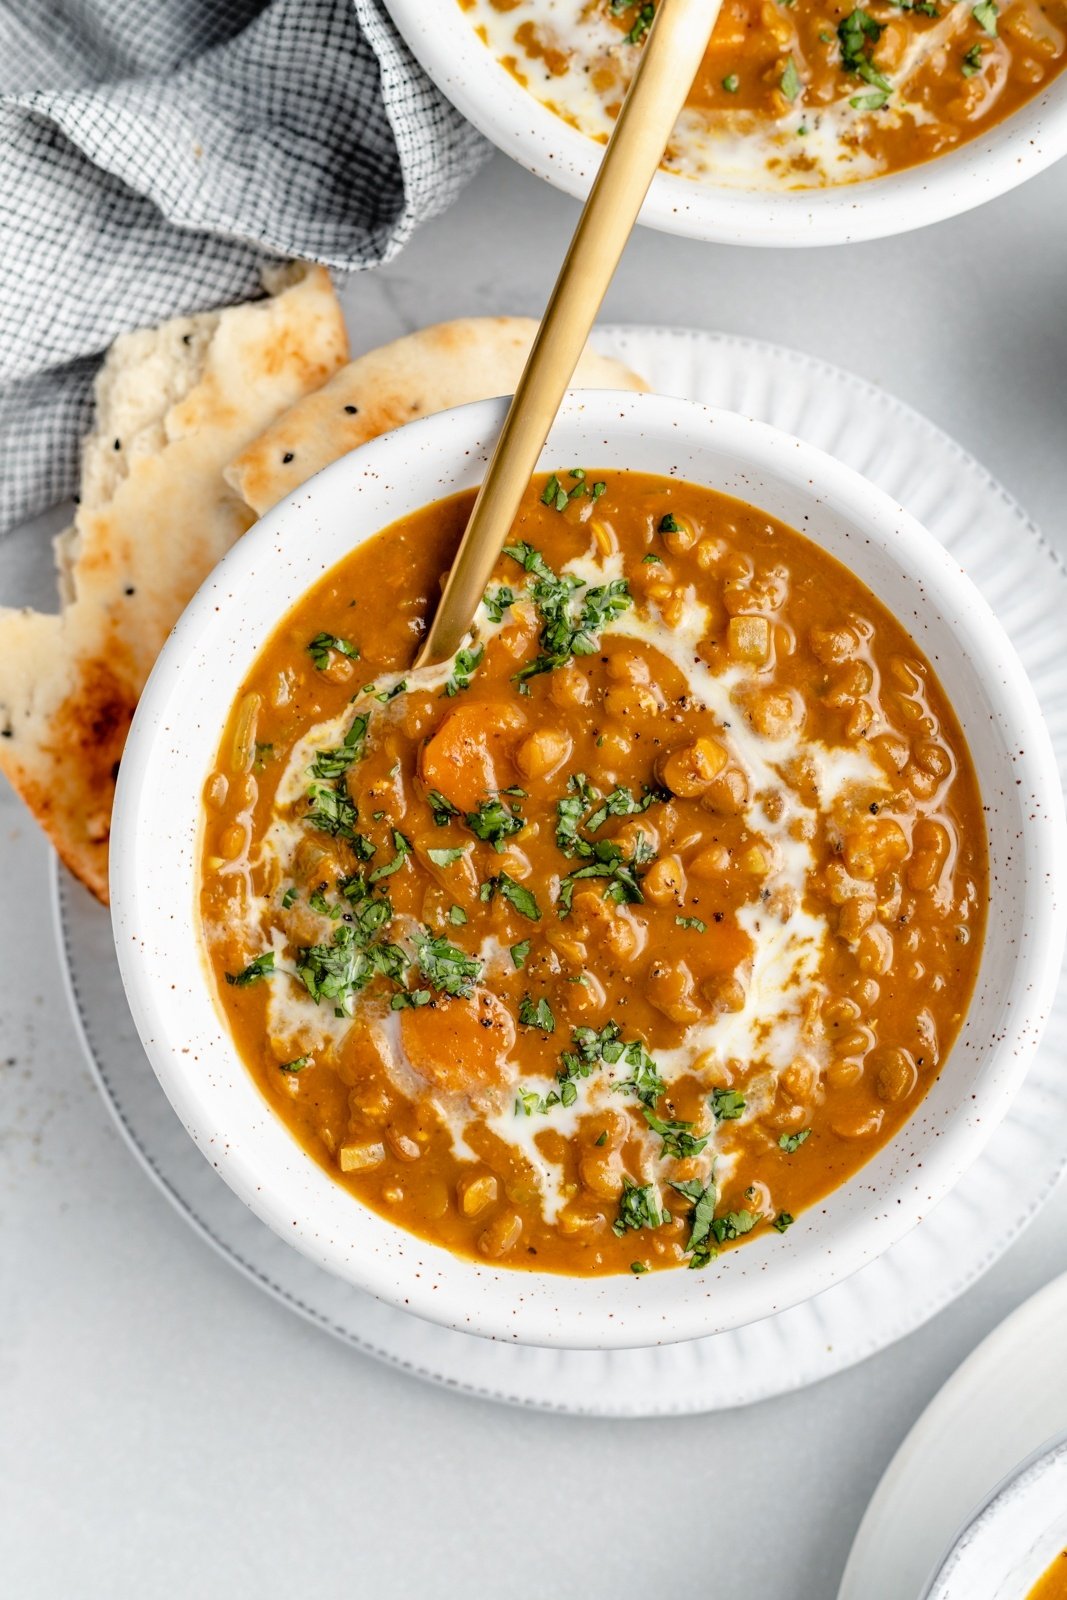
(1012,1539)
(444,40)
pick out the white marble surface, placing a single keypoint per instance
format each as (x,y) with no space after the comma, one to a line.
(167,1430)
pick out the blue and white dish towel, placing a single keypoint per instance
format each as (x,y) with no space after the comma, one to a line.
(155,153)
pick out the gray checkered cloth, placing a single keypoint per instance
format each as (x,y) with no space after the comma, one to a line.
(154,153)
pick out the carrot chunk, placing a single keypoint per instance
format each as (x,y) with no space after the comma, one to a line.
(460,1046)
(470,753)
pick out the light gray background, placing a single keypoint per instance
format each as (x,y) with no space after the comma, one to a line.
(166,1430)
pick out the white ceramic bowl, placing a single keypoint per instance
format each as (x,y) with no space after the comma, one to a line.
(154,855)
(443,39)
(1014,1537)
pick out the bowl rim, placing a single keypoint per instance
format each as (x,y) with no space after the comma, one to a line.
(443,40)
(504,1303)
(989,1513)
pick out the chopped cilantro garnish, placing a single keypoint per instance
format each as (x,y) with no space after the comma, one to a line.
(733,1225)
(637,1267)
(678,1139)
(318,902)
(638,1208)
(726,1104)
(854,32)
(445,967)
(331,764)
(791,1142)
(457,916)
(331,811)
(319,649)
(261,967)
(527,1101)
(704,1198)
(604,1044)
(593,1048)
(494,822)
(385,695)
(670,524)
(536,1014)
(555,495)
(519,952)
(410,999)
(296,1065)
(338,971)
(264,753)
(651,560)
(516,894)
(290,897)
(645,18)
(986,14)
(623,873)
(584,808)
(789,82)
(782,1221)
(972,61)
(529,559)
(466,664)
(443,810)
(644,1081)
(565,631)
(731,83)
(403,850)
(706,1226)
(447,857)
(498,601)
(696,923)
(874,101)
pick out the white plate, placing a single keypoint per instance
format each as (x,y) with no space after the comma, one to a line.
(962,505)
(1006,1399)
(443,38)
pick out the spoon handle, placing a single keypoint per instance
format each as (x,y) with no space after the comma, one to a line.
(669,60)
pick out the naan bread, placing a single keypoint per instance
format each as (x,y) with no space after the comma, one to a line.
(448,365)
(173,405)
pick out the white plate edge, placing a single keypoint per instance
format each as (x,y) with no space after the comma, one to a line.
(605,337)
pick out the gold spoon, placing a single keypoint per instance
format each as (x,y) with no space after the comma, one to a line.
(672,53)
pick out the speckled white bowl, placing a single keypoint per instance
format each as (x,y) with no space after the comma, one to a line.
(443,39)
(1014,1536)
(156,830)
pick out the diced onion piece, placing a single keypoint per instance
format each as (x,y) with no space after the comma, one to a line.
(749,639)
(244,735)
(360,1157)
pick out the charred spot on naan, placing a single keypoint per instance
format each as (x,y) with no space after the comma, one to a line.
(83,750)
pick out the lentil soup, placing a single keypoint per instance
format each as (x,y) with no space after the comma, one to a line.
(635,928)
(795,94)
(1052,1584)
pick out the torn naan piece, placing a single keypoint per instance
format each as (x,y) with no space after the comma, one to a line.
(474,358)
(173,405)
